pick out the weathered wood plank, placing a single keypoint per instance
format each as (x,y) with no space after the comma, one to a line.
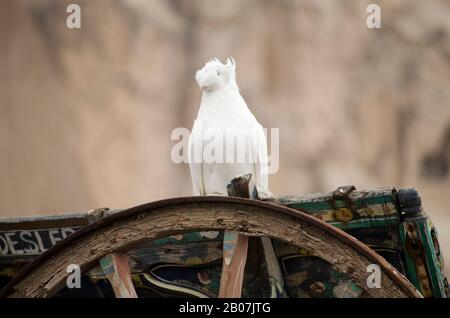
(117,270)
(235,246)
(273,268)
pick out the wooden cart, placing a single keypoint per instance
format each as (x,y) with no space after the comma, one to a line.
(325,245)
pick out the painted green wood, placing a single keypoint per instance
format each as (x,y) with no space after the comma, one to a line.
(426,253)
(325,205)
(367,223)
(410,264)
(434,270)
(374,208)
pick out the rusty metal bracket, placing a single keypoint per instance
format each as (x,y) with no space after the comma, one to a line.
(95,215)
(343,193)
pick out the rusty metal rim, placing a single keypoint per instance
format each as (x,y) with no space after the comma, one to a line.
(148,207)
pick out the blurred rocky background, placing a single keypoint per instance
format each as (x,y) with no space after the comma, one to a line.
(86,114)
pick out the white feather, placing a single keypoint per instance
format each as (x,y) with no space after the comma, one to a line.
(224,110)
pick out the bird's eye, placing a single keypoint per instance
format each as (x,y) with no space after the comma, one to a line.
(218,73)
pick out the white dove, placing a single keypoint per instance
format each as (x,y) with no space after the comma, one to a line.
(226,129)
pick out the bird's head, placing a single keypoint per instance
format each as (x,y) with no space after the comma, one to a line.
(215,75)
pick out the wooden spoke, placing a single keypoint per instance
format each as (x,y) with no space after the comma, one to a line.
(235,247)
(117,270)
(234,258)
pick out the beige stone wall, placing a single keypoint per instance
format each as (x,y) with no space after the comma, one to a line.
(86,115)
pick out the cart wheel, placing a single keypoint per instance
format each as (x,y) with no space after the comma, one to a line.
(120,232)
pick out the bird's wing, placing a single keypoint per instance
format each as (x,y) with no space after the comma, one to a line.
(258,146)
(195,158)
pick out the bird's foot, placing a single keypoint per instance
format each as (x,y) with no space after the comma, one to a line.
(263,194)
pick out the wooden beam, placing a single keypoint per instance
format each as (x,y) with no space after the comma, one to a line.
(234,258)
(117,270)
(273,269)
(235,247)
